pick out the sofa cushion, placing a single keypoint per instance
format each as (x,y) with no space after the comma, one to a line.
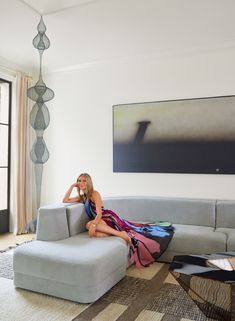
(230,234)
(176,210)
(52,223)
(197,240)
(77,218)
(225,214)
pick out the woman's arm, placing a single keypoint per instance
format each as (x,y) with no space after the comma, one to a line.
(96,198)
(67,198)
(98,206)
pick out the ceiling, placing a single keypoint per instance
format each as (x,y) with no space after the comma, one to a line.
(85,32)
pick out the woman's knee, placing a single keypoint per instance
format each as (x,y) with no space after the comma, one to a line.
(101,223)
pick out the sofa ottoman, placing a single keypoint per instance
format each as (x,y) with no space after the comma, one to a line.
(77,268)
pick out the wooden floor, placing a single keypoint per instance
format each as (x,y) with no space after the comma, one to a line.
(8,239)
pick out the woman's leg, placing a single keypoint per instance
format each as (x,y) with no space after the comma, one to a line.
(102,229)
(97,234)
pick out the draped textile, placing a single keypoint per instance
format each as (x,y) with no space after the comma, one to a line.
(149,241)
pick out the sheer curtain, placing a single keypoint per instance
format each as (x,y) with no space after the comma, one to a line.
(23,194)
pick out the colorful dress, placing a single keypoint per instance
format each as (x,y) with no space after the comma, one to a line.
(148,241)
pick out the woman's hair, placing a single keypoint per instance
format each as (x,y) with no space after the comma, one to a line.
(90,187)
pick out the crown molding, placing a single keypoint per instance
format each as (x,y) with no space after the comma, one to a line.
(186,52)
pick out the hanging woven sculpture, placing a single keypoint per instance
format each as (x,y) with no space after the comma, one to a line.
(39,115)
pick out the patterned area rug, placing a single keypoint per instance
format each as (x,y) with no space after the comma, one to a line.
(148,294)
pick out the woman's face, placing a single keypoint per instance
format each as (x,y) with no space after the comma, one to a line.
(82,183)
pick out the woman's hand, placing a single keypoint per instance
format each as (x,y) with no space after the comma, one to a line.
(74,185)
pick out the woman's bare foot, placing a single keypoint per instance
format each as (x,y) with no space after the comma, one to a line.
(125,237)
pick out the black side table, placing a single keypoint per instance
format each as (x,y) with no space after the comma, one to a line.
(212,289)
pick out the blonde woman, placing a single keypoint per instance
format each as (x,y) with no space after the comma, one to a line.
(142,238)
(97,225)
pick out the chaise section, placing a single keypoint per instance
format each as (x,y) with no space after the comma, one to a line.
(78,268)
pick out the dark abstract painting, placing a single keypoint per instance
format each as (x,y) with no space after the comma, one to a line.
(181,136)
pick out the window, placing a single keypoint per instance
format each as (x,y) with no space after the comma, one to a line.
(5,138)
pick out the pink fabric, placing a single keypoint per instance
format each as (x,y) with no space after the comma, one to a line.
(147,248)
(144,258)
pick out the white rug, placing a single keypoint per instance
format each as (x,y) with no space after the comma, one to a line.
(22,305)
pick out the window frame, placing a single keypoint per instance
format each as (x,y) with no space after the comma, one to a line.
(5,213)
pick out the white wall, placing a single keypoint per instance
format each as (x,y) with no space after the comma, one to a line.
(79,137)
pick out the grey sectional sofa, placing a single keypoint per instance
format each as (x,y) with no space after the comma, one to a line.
(64,262)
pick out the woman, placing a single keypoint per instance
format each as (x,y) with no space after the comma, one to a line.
(143,239)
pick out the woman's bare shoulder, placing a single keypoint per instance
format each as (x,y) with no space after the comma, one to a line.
(96,194)
(96,197)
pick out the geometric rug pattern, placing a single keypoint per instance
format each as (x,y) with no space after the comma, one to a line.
(145,294)
(156,297)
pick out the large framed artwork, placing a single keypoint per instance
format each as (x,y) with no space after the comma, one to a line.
(176,136)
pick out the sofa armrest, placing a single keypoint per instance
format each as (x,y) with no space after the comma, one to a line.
(52,223)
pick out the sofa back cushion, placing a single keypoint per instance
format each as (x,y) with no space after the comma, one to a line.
(225,214)
(175,210)
(52,223)
(76,217)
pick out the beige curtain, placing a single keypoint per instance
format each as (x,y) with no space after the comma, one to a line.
(23,182)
